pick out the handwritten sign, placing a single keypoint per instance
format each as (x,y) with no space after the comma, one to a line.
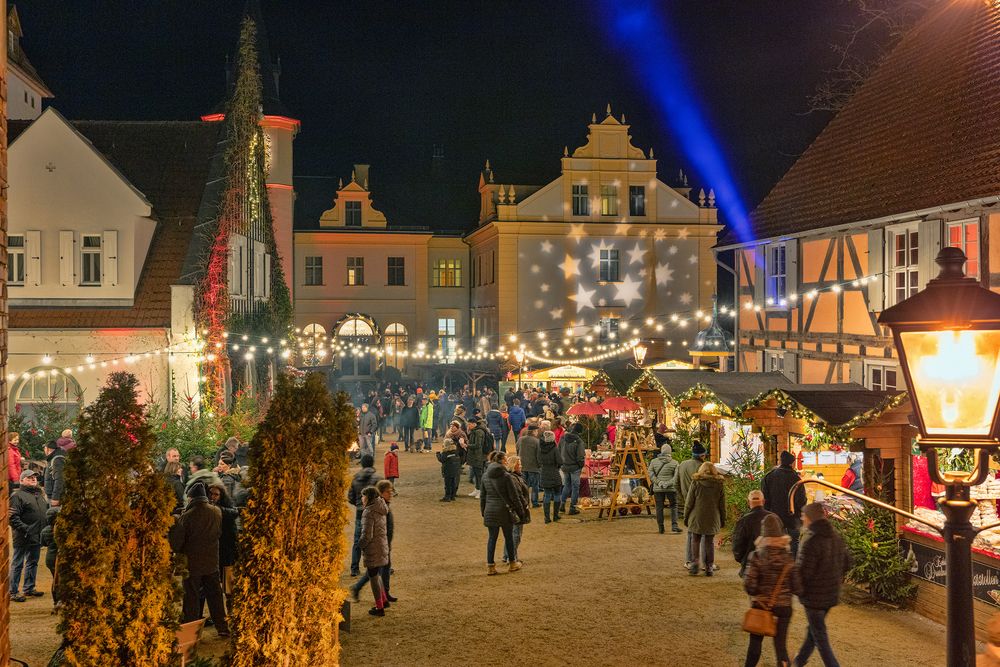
(929,564)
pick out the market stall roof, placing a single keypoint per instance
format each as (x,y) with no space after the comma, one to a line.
(620,380)
(837,406)
(732,389)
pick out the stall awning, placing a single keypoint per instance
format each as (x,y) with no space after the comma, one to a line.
(838,404)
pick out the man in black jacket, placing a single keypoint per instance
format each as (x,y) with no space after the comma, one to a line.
(776,486)
(55,459)
(572,454)
(363,478)
(27,518)
(747,529)
(823,562)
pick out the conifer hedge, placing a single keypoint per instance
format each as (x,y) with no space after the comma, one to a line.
(287,597)
(114,559)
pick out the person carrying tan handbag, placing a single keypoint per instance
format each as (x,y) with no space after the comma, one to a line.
(771,580)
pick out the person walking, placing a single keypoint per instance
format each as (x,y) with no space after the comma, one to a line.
(551,481)
(368,430)
(27,517)
(747,529)
(682,483)
(528,449)
(374,544)
(771,579)
(362,479)
(480,444)
(228,535)
(662,471)
(495,503)
(196,535)
(55,462)
(572,455)
(451,468)
(385,490)
(495,423)
(705,515)
(776,486)
(823,562)
(517,418)
(522,510)
(390,465)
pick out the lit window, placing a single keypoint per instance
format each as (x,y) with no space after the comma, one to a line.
(447,340)
(581,201)
(904,253)
(609,200)
(776,276)
(609,266)
(15,259)
(355,270)
(397,271)
(396,344)
(353,212)
(314,270)
(90,256)
(636,200)
(447,273)
(965,236)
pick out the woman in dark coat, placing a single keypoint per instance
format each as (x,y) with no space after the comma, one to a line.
(548,456)
(409,419)
(218,496)
(705,514)
(173,472)
(498,495)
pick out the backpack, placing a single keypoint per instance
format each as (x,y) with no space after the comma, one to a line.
(488,442)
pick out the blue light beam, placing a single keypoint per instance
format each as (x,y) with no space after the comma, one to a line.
(643,34)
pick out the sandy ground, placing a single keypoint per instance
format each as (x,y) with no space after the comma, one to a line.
(591,592)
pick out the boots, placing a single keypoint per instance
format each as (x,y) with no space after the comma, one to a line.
(514,566)
(491,569)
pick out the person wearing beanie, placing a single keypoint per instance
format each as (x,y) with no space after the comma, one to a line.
(66,441)
(551,482)
(53,480)
(682,483)
(822,564)
(748,528)
(662,470)
(528,447)
(771,580)
(572,455)
(776,486)
(196,535)
(362,479)
(426,424)
(990,657)
(390,466)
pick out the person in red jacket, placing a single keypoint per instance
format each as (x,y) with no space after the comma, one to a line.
(13,461)
(391,466)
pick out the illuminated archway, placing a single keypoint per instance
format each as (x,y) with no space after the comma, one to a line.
(315,351)
(356,337)
(396,340)
(45,385)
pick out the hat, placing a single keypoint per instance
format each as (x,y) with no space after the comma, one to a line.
(51,444)
(433,396)
(772,526)
(666,450)
(787,458)
(548,436)
(814,511)
(698,450)
(28,473)
(393,447)
(197,491)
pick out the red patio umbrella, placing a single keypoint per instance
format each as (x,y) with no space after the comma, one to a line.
(620,404)
(585,408)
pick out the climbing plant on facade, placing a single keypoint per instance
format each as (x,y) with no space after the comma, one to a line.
(287,597)
(117,605)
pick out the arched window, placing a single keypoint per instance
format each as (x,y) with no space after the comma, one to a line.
(45,385)
(356,336)
(396,341)
(315,351)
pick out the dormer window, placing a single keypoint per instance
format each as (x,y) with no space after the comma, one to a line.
(352,210)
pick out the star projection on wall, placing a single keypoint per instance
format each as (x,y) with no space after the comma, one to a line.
(664,274)
(570,266)
(635,254)
(583,297)
(627,290)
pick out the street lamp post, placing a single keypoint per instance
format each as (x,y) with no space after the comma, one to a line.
(639,353)
(519,355)
(948,340)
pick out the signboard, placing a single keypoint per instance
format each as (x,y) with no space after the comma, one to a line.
(929,565)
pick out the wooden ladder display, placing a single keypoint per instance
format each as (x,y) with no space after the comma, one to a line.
(628,442)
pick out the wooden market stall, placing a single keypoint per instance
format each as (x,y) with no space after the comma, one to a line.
(555,378)
(612,382)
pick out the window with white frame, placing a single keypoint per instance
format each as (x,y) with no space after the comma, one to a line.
(447,339)
(90,260)
(15,259)
(609,265)
(609,200)
(353,211)
(904,272)
(777,278)
(964,235)
(774,362)
(581,200)
(447,273)
(882,377)
(314,270)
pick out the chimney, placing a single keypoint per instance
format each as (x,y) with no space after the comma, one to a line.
(361,175)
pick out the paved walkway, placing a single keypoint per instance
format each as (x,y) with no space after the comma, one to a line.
(591,592)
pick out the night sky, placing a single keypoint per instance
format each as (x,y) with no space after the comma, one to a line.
(383,82)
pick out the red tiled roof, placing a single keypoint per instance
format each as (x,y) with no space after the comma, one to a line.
(169,163)
(923,131)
